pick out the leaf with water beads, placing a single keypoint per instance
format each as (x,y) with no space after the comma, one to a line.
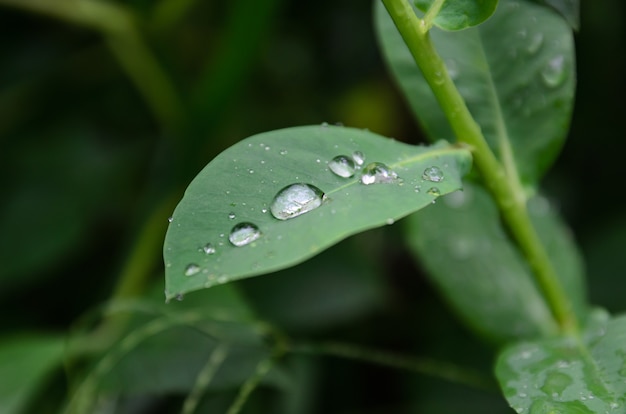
(567,375)
(227,225)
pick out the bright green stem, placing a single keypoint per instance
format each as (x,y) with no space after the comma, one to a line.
(505,189)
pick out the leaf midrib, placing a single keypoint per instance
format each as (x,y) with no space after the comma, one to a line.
(502,133)
(414,159)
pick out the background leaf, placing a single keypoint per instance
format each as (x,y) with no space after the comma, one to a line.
(460,14)
(569,9)
(243,180)
(25,362)
(516,74)
(469,256)
(564,375)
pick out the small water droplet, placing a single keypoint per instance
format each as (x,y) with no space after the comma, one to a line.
(418,188)
(192,269)
(251,171)
(296,199)
(433,174)
(554,74)
(324,124)
(358,158)
(390,221)
(342,166)
(263,210)
(378,173)
(180,297)
(535,44)
(231,216)
(209,248)
(243,234)
(434,191)
(283,152)
(170,219)
(453,68)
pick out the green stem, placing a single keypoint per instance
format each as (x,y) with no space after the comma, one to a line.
(432,13)
(424,366)
(505,188)
(119,29)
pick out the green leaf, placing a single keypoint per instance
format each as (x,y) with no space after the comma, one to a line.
(460,14)
(25,362)
(569,9)
(516,73)
(568,375)
(470,258)
(238,186)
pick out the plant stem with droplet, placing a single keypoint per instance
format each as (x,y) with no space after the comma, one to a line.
(503,185)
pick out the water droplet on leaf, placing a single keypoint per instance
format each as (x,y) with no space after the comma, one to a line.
(209,248)
(535,43)
(231,216)
(433,174)
(296,199)
(283,152)
(378,173)
(192,269)
(554,73)
(243,234)
(342,166)
(170,219)
(358,158)
(434,191)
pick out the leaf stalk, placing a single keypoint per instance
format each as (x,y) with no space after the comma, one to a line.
(505,188)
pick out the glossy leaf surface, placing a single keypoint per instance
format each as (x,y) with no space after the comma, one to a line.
(516,74)
(240,184)
(460,14)
(471,259)
(564,375)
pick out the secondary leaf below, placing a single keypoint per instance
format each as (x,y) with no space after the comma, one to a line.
(568,375)
(223,229)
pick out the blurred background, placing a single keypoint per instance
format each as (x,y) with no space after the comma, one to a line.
(108,111)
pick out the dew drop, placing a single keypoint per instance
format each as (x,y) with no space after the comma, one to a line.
(251,171)
(453,68)
(231,216)
(243,234)
(554,74)
(418,188)
(283,152)
(342,166)
(180,297)
(535,43)
(170,219)
(433,174)
(296,199)
(434,191)
(192,269)
(358,158)
(263,210)
(378,173)
(209,248)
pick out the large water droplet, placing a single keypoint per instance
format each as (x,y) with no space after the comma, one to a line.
(535,43)
(358,158)
(553,74)
(296,199)
(244,233)
(342,166)
(192,269)
(378,173)
(433,174)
